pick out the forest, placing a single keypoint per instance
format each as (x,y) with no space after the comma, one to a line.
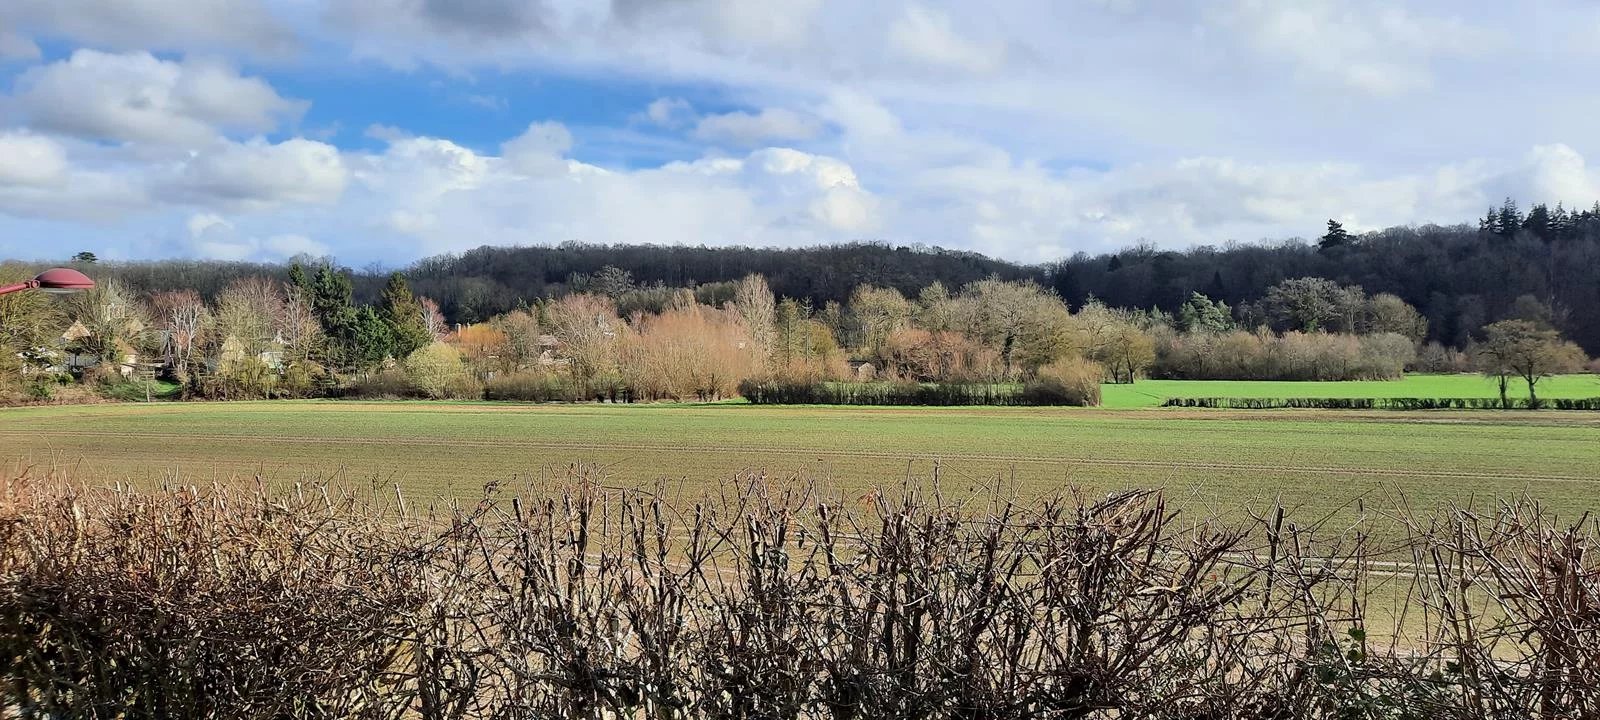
(648,323)
(1460,277)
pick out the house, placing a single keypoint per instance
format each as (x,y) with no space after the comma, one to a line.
(233,350)
(72,339)
(549,348)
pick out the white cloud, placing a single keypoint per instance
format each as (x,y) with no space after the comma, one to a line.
(539,150)
(927,36)
(28,159)
(669,112)
(138,97)
(213,237)
(746,129)
(1378,48)
(1023,128)
(258,174)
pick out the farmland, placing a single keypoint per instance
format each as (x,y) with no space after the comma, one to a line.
(1150,393)
(1208,460)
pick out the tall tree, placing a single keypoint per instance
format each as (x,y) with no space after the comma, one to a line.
(1335,237)
(405,316)
(753,302)
(335,311)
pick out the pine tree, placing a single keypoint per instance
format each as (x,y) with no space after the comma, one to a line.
(298,279)
(372,340)
(404,314)
(1490,222)
(1538,222)
(1510,219)
(1560,223)
(335,312)
(1336,236)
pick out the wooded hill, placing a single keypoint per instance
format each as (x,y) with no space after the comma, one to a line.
(1543,263)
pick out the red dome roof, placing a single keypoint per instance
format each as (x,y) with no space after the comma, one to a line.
(64,279)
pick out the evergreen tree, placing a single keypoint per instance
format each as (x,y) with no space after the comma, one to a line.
(1200,314)
(1560,223)
(1510,219)
(1335,237)
(1490,222)
(1538,222)
(407,321)
(298,279)
(331,304)
(371,338)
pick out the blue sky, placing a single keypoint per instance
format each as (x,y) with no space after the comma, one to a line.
(389,130)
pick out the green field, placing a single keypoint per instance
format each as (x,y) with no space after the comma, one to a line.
(1320,461)
(1150,393)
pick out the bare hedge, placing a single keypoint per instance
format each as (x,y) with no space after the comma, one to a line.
(1249,403)
(776,602)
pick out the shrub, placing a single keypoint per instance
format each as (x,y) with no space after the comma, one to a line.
(303,378)
(531,386)
(1436,358)
(1382,403)
(778,392)
(1293,355)
(1069,381)
(385,383)
(796,603)
(436,371)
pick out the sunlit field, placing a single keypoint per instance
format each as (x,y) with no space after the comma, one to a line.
(1150,393)
(1318,461)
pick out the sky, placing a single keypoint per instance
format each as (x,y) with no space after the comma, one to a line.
(379,132)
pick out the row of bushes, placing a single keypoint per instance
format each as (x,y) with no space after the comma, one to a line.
(1240,355)
(777,602)
(1243,403)
(1072,381)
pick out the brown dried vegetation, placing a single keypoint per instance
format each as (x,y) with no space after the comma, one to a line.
(581,602)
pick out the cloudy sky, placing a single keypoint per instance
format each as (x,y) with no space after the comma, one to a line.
(381,131)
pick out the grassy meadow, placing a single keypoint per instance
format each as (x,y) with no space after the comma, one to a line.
(1150,393)
(1209,460)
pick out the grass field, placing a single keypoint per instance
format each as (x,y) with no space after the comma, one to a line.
(1207,459)
(1150,393)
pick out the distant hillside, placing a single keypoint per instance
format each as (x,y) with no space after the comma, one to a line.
(1543,263)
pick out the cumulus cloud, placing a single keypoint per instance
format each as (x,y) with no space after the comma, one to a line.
(1023,128)
(28,159)
(439,196)
(538,150)
(747,129)
(138,97)
(257,174)
(213,237)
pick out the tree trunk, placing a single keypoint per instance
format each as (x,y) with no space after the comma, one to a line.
(1504,403)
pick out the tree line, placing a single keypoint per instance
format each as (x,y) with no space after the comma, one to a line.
(1511,263)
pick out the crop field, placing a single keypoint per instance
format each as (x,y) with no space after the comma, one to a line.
(1209,460)
(1150,393)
